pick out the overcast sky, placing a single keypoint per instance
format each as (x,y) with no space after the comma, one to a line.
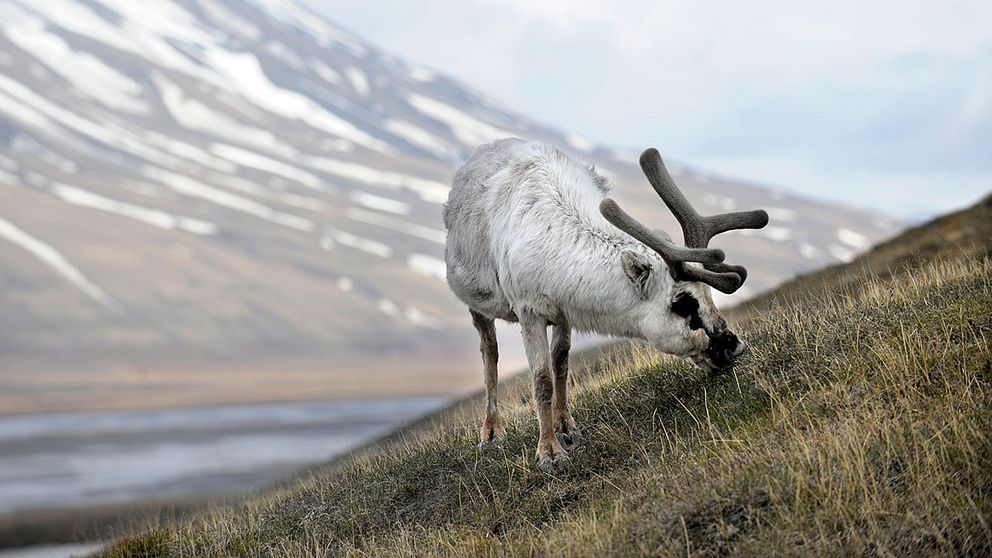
(885,104)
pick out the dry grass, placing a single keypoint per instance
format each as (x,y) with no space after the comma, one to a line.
(860,424)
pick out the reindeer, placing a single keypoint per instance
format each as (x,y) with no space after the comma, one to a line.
(532,238)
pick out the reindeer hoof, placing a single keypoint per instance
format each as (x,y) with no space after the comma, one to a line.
(569,438)
(568,433)
(492,436)
(552,461)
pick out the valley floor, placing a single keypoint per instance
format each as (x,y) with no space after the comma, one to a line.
(25,389)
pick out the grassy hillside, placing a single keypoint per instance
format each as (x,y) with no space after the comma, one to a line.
(859,424)
(961,234)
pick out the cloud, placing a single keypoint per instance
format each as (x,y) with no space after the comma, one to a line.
(855,92)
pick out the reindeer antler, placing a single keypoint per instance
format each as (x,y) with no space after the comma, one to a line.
(696,229)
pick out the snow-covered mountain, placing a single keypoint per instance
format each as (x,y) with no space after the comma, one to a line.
(235,180)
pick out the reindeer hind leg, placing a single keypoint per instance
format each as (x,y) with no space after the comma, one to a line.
(492,426)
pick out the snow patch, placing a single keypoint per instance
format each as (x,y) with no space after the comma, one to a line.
(254,160)
(153,217)
(579,142)
(419,73)
(189,187)
(55,260)
(9,178)
(809,251)
(9,170)
(722,202)
(82,70)
(285,54)
(625,156)
(335,144)
(146,189)
(182,149)
(246,77)
(8,164)
(115,138)
(428,190)
(35,179)
(412,229)
(468,129)
(192,114)
(26,115)
(345,284)
(249,187)
(781,214)
(23,143)
(417,136)
(358,80)
(380,203)
(419,318)
(74,16)
(388,307)
(884,224)
(160,219)
(39,72)
(358,243)
(841,253)
(291,13)
(428,266)
(168,20)
(853,239)
(326,73)
(226,18)
(778,234)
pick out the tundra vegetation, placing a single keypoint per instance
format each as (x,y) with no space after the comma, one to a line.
(858,424)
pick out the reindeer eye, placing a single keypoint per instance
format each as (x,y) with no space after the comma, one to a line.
(687,306)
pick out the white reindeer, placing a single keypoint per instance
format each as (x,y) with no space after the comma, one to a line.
(533,238)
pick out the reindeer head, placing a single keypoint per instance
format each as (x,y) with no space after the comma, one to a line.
(700,331)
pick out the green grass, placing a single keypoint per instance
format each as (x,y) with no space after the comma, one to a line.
(859,424)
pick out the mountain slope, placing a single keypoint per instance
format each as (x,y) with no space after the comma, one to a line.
(857,425)
(187,183)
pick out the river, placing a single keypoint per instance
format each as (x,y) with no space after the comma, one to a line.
(79,459)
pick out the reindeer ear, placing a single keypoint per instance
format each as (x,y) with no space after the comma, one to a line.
(638,270)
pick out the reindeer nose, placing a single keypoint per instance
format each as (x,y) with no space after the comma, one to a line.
(723,350)
(741,349)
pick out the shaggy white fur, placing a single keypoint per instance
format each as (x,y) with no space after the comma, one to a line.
(525,233)
(527,242)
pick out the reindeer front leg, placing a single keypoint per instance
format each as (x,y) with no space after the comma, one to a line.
(535,333)
(565,428)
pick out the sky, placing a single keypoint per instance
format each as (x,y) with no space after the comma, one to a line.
(886,104)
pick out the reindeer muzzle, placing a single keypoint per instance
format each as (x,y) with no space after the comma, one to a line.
(724,350)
